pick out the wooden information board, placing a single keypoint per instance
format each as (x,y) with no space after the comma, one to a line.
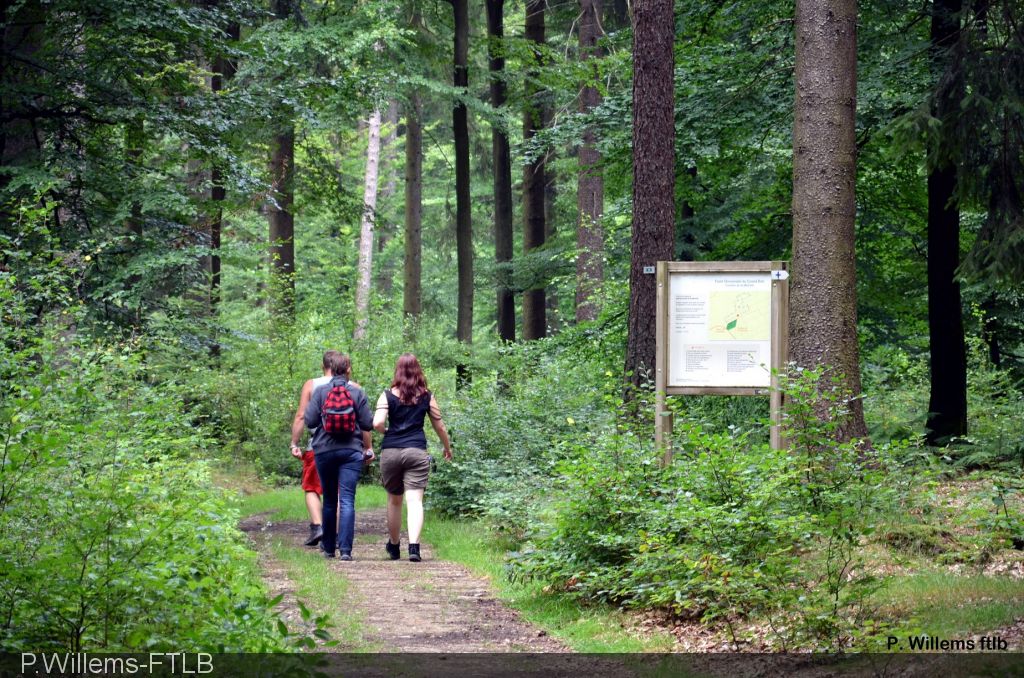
(721,330)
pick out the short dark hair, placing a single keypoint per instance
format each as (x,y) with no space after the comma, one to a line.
(338,363)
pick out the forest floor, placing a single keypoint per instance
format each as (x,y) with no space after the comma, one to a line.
(430,606)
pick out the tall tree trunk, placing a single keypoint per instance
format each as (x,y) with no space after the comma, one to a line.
(550,224)
(653,175)
(282,223)
(503,235)
(463,207)
(279,214)
(590,183)
(386,227)
(366,230)
(412,296)
(823,309)
(223,70)
(534,176)
(947,405)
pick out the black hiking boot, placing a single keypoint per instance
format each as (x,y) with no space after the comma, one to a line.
(346,556)
(394,550)
(414,553)
(316,533)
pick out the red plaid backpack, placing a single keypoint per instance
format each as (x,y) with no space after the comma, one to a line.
(338,413)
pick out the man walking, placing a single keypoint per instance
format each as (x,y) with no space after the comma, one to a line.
(338,415)
(310,478)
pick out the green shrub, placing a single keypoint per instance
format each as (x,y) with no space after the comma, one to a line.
(506,430)
(111,536)
(730,529)
(898,406)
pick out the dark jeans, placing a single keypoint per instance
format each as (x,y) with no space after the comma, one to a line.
(339,471)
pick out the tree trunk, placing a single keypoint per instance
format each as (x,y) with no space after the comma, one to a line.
(503,236)
(823,306)
(653,176)
(223,70)
(412,297)
(534,176)
(282,223)
(365,267)
(590,184)
(279,215)
(385,226)
(550,217)
(463,207)
(947,405)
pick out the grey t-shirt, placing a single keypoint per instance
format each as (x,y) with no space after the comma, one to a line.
(322,442)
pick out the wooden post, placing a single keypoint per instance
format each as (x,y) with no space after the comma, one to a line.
(662,418)
(780,349)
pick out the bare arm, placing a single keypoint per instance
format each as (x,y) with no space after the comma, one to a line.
(365,421)
(298,423)
(439,428)
(380,415)
(311,417)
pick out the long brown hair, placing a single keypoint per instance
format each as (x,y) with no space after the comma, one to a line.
(409,379)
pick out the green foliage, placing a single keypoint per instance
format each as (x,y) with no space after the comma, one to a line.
(1004,525)
(731,529)
(898,384)
(540,396)
(111,537)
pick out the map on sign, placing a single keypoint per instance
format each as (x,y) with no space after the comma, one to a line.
(740,316)
(719,331)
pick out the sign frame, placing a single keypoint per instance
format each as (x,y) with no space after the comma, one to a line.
(778,341)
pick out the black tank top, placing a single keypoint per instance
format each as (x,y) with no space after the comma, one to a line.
(405,422)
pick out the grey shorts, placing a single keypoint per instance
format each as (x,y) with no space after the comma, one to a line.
(404,468)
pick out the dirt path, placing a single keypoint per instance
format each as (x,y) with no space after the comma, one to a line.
(431,606)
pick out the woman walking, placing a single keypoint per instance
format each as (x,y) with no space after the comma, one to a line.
(404,462)
(338,414)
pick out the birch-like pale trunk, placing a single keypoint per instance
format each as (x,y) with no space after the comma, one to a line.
(388,227)
(366,230)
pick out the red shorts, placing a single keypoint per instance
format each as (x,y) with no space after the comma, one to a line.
(310,479)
